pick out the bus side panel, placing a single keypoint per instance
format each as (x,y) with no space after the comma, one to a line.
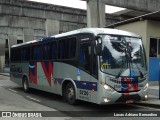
(85,87)
(63,72)
(94,90)
(45,75)
(41,76)
(17,72)
(34,79)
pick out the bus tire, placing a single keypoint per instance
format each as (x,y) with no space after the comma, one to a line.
(64,94)
(25,84)
(70,94)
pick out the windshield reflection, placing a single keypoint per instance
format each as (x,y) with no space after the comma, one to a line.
(120,53)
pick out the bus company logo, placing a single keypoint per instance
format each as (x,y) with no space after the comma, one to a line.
(128,86)
(48,70)
(32,66)
(132,73)
(33,72)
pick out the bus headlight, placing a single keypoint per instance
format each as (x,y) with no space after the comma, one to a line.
(146,87)
(146,96)
(106,100)
(108,88)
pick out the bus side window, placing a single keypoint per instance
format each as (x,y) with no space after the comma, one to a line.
(54,51)
(39,52)
(32,53)
(24,54)
(61,49)
(94,63)
(72,48)
(18,54)
(67,48)
(85,56)
(46,51)
(12,54)
(35,53)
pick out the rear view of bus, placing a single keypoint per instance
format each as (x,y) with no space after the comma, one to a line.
(123,68)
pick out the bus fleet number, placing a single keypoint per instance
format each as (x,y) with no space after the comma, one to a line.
(82,92)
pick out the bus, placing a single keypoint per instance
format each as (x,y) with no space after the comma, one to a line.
(97,65)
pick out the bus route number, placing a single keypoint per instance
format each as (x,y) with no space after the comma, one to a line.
(83,92)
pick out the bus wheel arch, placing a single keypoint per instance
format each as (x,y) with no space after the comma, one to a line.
(25,83)
(69,92)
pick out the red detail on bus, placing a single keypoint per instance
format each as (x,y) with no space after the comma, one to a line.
(130,86)
(48,71)
(33,74)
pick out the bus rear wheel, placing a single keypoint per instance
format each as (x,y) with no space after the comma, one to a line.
(70,94)
(25,84)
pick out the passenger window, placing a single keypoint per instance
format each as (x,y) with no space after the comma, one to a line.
(61,49)
(54,50)
(72,48)
(39,52)
(47,51)
(85,56)
(67,48)
(95,63)
(35,53)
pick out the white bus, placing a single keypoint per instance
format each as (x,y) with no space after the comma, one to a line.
(98,65)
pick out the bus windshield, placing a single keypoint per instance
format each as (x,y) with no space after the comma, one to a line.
(122,53)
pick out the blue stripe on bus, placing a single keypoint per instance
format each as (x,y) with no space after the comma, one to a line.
(86,85)
(80,84)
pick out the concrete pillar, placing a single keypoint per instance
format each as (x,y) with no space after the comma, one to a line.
(2,54)
(52,27)
(95,13)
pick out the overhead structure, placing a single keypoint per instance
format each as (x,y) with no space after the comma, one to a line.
(95,13)
(96,9)
(142,5)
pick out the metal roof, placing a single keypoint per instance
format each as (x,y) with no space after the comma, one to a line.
(149,16)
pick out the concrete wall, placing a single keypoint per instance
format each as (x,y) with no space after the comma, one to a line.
(153,29)
(25,20)
(2,56)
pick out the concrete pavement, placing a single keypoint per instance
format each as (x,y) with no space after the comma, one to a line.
(153,98)
(5,74)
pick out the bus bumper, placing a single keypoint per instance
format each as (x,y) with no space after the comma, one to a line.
(116,97)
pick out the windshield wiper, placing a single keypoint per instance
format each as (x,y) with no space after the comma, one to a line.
(141,74)
(121,70)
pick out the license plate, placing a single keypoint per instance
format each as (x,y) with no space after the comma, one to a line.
(129,101)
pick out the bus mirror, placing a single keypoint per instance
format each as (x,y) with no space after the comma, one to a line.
(98,48)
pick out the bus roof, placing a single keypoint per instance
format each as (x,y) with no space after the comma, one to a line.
(94,31)
(97,31)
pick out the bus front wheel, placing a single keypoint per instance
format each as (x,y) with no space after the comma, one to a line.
(70,94)
(25,84)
